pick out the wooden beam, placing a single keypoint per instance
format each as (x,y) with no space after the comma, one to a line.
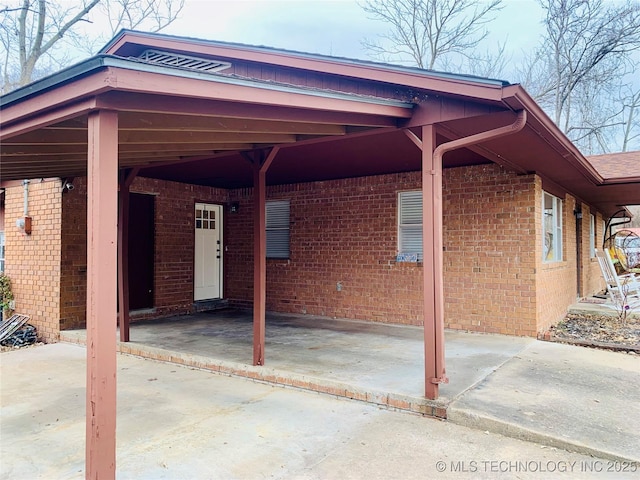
(102,217)
(414,138)
(128,102)
(204,137)
(64,150)
(79,137)
(71,110)
(27,160)
(436,109)
(196,123)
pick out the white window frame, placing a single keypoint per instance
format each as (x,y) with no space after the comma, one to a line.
(278,214)
(410,241)
(592,235)
(551,228)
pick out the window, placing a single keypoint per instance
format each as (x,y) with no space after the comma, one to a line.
(1,251)
(551,228)
(278,229)
(592,235)
(410,225)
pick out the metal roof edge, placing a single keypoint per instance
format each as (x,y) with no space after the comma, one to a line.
(621,180)
(310,56)
(60,77)
(519,93)
(102,61)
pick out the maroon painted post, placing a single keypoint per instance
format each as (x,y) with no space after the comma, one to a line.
(435,372)
(260,168)
(259,263)
(123,253)
(433,264)
(102,217)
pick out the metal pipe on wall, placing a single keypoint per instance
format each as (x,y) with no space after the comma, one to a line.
(25,184)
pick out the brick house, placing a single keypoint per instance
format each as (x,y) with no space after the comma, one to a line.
(353,162)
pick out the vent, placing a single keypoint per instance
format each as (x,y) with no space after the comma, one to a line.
(183,61)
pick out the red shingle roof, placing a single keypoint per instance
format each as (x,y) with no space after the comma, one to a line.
(617,165)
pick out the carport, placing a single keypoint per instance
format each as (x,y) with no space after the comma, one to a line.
(122,114)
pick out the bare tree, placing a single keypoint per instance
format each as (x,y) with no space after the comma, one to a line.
(426,31)
(588,48)
(489,63)
(32,31)
(151,15)
(630,116)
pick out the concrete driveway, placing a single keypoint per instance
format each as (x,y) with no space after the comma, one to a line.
(180,423)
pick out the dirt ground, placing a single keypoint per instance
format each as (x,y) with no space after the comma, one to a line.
(603,331)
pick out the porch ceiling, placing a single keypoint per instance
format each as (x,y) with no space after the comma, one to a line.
(154,138)
(170,119)
(192,127)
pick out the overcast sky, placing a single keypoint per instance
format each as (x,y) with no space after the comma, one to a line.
(330,27)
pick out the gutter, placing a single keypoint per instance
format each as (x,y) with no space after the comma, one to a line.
(515,127)
(572,154)
(620,180)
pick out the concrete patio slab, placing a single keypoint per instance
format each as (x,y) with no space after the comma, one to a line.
(557,395)
(571,397)
(181,423)
(379,363)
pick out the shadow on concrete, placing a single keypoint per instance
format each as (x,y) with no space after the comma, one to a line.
(372,362)
(575,398)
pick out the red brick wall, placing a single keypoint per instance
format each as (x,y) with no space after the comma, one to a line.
(73,277)
(556,281)
(33,261)
(173,276)
(489,226)
(592,281)
(346,231)
(342,231)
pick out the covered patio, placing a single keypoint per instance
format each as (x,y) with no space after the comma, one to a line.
(370,362)
(259,117)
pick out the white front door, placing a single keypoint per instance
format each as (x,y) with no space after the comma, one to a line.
(208,252)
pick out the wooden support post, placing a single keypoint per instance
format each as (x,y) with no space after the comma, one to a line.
(259,263)
(435,372)
(433,264)
(260,167)
(125,181)
(102,213)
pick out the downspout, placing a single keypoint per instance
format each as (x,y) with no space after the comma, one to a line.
(610,224)
(24,223)
(521,120)
(515,127)
(579,250)
(25,184)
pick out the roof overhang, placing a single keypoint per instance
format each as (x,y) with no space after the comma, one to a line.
(171,115)
(191,126)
